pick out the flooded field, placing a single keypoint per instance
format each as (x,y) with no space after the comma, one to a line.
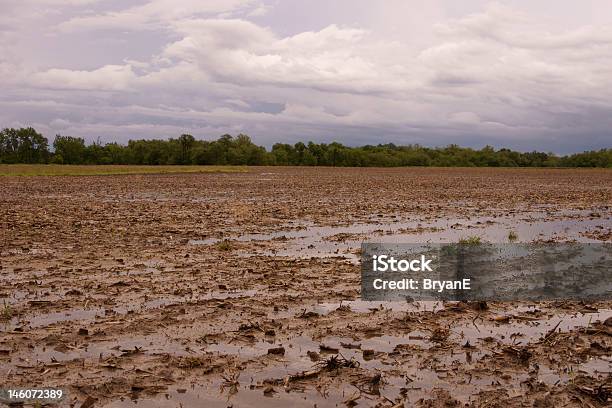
(243,290)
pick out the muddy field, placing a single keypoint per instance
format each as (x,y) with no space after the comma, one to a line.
(242,290)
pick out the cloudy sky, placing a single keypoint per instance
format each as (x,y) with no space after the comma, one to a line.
(520,74)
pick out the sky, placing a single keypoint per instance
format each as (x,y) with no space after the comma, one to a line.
(527,75)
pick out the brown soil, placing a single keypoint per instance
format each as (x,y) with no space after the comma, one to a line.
(242,290)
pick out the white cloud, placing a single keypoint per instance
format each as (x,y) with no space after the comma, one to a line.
(260,11)
(16,13)
(59,124)
(334,58)
(60,2)
(498,73)
(466,118)
(107,78)
(153,14)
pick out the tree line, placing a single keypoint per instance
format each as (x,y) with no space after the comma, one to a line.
(26,145)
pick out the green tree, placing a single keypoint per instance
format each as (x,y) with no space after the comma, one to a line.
(72,149)
(24,145)
(187,142)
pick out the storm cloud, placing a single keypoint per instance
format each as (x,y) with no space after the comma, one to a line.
(509,74)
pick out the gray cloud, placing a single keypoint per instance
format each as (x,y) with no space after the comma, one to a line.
(508,74)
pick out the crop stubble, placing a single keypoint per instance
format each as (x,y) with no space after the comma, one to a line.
(213,289)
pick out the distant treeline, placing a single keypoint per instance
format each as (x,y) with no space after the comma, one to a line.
(25,145)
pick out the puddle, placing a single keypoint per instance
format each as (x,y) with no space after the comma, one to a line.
(83,315)
(212,395)
(228,294)
(97,350)
(365,306)
(13,297)
(420,374)
(303,353)
(310,240)
(47,319)
(89,315)
(354,306)
(417,382)
(518,332)
(597,366)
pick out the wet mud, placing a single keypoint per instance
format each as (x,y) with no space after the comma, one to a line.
(243,290)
